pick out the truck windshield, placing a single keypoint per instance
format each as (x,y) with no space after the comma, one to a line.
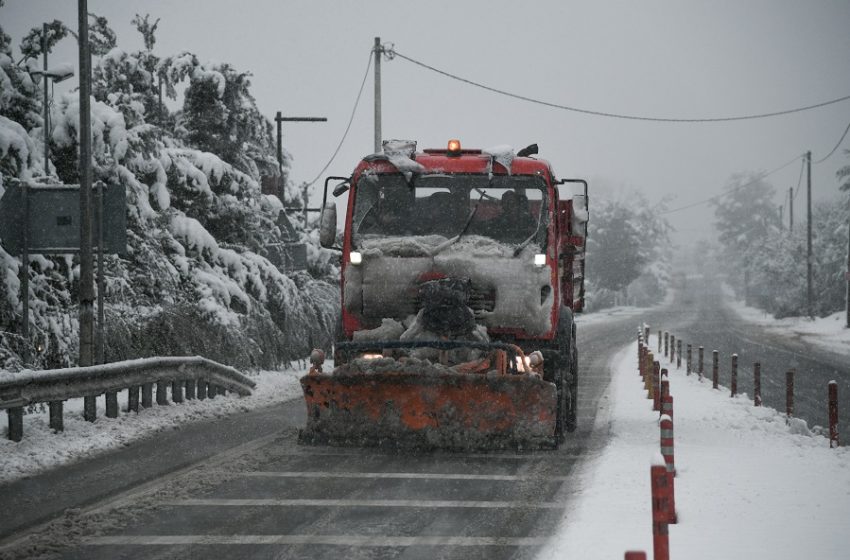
(508,209)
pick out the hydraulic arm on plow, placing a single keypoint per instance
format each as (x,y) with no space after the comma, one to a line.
(461,270)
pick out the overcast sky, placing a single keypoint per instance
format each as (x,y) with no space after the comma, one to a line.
(667,59)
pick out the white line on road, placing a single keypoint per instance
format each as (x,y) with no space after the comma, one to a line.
(334,540)
(240,502)
(404,475)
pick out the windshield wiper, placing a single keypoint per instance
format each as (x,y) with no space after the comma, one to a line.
(457,237)
(525,243)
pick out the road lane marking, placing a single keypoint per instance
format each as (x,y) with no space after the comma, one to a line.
(334,540)
(399,475)
(249,502)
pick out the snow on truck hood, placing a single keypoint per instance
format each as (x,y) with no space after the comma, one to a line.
(385,283)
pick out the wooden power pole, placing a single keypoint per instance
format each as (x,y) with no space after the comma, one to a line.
(86,257)
(811,294)
(378,50)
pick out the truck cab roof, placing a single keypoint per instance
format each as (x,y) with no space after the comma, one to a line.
(468,161)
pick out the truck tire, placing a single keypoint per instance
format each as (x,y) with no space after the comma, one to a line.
(572,414)
(563,378)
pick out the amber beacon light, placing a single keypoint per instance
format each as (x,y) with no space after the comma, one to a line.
(454,147)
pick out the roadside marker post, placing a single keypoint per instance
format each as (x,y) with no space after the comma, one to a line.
(789,394)
(666,344)
(715,369)
(660,512)
(689,360)
(672,348)
(833,414)
(734,378)
(656,386)
(635,555)
(701,370)
(757,384)
(679,354)
(669,464)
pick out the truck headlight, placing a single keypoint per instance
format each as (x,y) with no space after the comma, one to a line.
(539,259)
(355,257)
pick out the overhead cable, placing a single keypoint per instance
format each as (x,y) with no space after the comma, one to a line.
(756,179)
(840,140)
(618,115)
(348,127)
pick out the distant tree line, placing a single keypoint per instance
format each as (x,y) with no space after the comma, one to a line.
(627,252)
(766,262)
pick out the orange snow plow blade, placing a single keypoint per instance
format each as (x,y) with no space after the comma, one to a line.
(415,404)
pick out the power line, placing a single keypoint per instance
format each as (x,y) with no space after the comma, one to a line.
(735,189)
(348,127)
(840,140)
(617,115)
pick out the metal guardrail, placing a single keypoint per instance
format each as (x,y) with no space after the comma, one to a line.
(189,377)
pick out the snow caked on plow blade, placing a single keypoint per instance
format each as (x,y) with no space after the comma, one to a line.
(417,404)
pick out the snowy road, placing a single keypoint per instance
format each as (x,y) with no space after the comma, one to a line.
(699,316)
(241,487)
(272,498)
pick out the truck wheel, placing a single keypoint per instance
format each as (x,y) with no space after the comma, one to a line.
(339,336)
(563,385)
(572,414)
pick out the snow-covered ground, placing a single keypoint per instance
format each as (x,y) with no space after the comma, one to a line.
(829,333)
(42,449)
(748,485)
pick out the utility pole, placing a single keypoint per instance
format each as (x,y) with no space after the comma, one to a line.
(378,50)
(46,111)
(809,227)
(791,209)
(847,275)
(86,261)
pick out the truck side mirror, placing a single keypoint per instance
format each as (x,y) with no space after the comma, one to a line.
(327,225)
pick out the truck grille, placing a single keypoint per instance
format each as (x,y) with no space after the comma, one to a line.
(481,299)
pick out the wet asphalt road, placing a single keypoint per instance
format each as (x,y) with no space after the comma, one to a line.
(241,487)
(700,317)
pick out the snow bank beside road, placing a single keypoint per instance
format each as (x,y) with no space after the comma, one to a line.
(829,333)
(746,487)
(42,449)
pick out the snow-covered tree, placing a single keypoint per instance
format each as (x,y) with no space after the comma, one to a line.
(626,252)
(195,278)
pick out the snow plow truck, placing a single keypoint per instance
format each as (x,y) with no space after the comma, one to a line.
(460,273)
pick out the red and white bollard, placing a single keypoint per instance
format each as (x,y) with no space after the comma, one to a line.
(833,414)
(664,390)
(660,511)
(656,386)
(669,463)
(635,555)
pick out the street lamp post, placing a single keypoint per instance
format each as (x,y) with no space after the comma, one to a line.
(57,74)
